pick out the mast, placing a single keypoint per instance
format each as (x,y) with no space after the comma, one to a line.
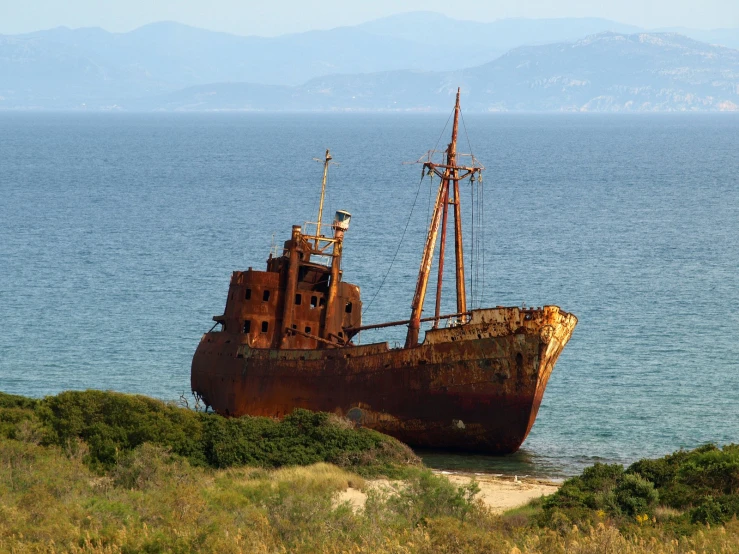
(323,194)
(442,245)
(458,254)
(451,173)
(423,273)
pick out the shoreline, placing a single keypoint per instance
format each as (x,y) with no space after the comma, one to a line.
(499,493)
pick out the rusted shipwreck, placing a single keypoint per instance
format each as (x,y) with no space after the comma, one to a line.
(285,342)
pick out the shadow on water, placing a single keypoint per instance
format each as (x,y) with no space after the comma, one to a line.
(521,463)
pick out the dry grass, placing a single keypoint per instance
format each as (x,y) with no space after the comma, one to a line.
(51,502)
(665,513)
(319,476)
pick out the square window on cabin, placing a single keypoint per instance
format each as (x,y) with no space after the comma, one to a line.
(298,299)
(265,326)
(313,301)
(265,296)
(247,295)
(307,330)
(247,326)
(322,301)
(348,308)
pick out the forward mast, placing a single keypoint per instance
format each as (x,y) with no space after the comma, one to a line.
(316,245)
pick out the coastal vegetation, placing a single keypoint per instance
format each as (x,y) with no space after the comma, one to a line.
(105,472)
(103,428)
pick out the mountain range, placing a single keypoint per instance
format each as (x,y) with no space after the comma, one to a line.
(407,62)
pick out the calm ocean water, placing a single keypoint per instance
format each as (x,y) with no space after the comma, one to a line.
(118,234)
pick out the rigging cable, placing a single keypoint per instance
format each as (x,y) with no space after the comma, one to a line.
(479,244)
(400,243)
(410,214)
(442,131)
(473,260)
(431,189)
(481,204)
(482,208)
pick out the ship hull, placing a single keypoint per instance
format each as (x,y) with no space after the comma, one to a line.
(474,387)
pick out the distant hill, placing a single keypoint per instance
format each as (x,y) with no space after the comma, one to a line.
(454,44)
(611,72)
(92,68)
(65,68)
(721,37)
(605,72)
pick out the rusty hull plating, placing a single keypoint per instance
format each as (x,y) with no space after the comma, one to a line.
(474,387)
(285,342)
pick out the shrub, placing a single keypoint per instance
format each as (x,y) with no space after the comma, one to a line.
(301,438)
(709,511)
(142,467)
(113,424)
(15,401)
(426,496)
(16,416)
(712,472)
(635,495)
(593,489)
(685,478)
(601,477)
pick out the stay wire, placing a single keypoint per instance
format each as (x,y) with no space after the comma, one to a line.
(472,156)
(484,241)
(410,214)
(444,129)
(481,189)
(480,244)
(400,243)
(428,208)
(464,125)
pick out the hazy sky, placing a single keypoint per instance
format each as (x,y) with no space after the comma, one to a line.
(276,17)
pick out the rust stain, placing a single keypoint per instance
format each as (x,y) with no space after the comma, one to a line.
(284,341)
(489,374)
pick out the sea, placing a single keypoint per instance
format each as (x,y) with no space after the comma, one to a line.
(119,232)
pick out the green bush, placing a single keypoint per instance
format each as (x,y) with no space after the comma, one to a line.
(712,472)
(593,489)
(686,478)
(601,487)
(112,425)
(425,496)
(701,485)
(635,495)
(301,438)
(16,415)
(15,401)
(709,511)
(601,477)
(716,510)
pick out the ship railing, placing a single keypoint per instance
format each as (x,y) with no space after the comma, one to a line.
(406,322)
(322,243)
